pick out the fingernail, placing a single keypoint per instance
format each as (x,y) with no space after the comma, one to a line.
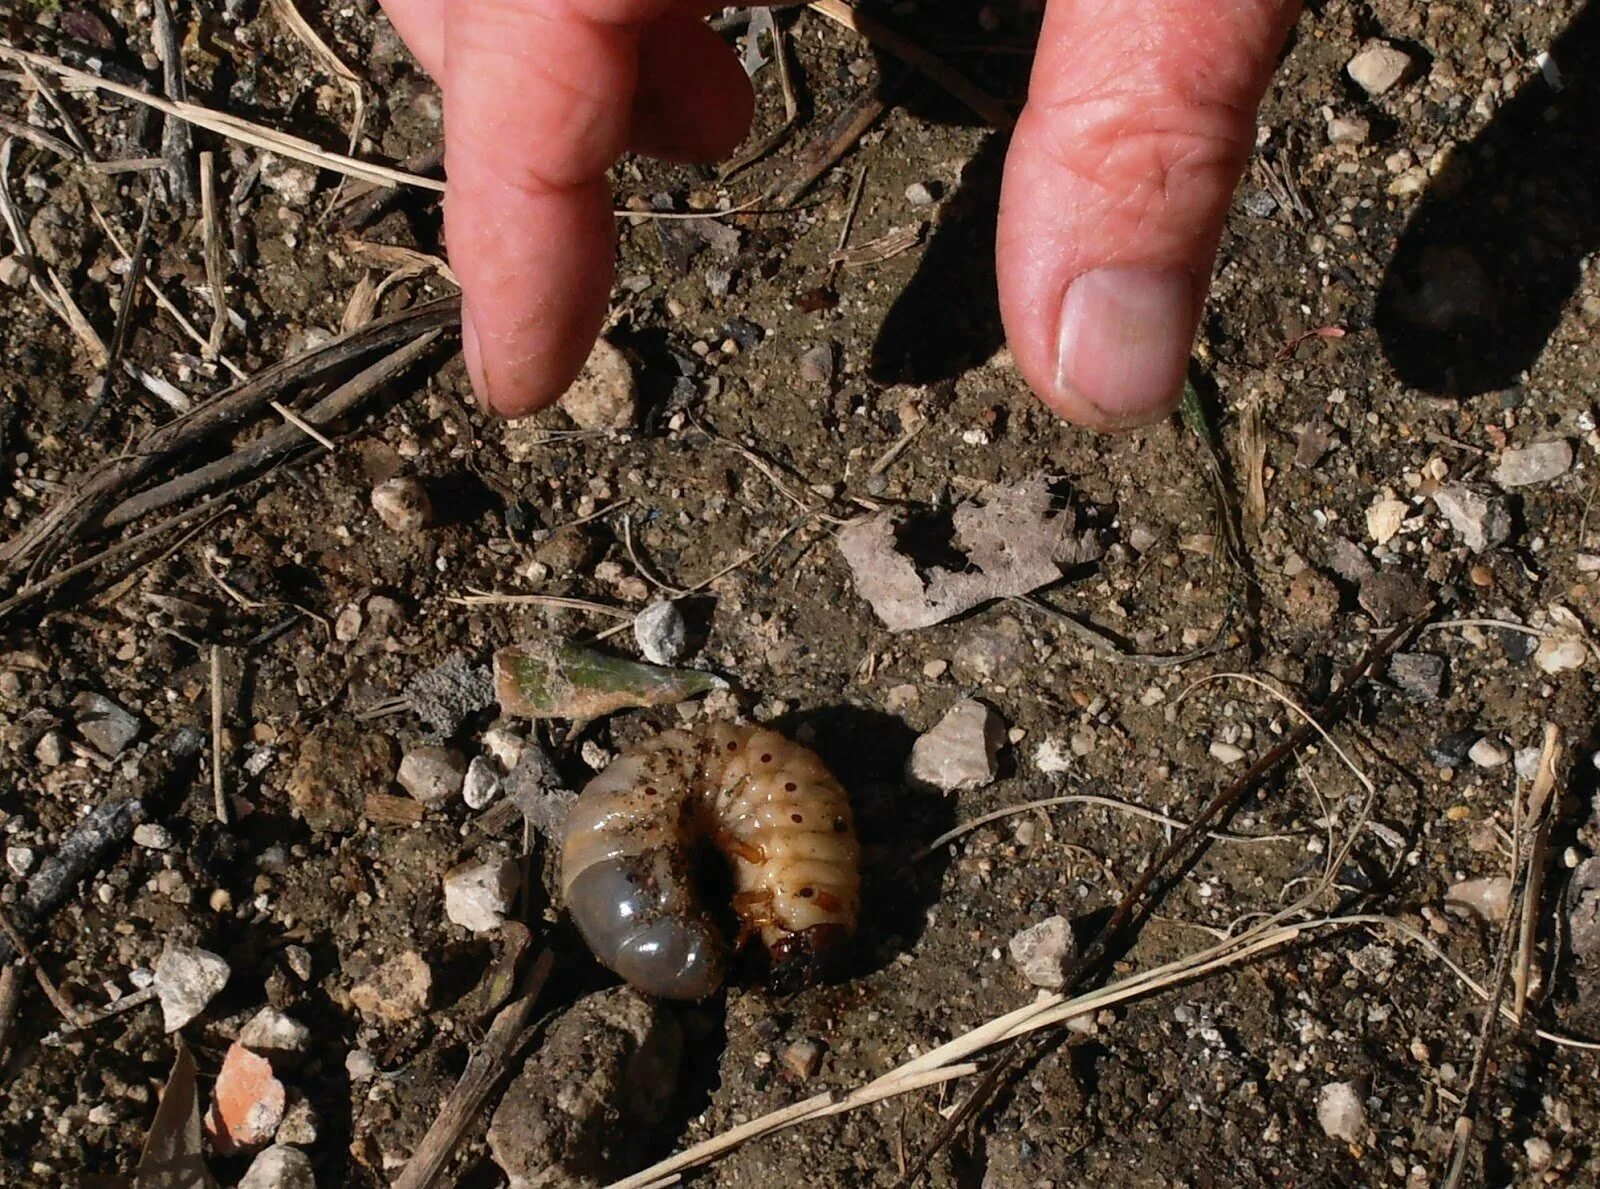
(1124,341)
(472,355)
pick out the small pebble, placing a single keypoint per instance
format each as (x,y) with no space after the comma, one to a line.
(802,1058)
(1042,952)
(186,980)
(1489,898)
(505,745)
(397,990)
(1342,130)
(919,194)
(1530,465)
(247,1103)
(301,1123)
(605,396)
(477,896)
(1419,675)
(359,1065)
(1378,67)
(20,859)
(298,959)
(661,633)
(280,1167)
(1488,753)
(272,1033)
(1226,753)
(13,271)
(104,725)
(403,504)
(432,774)
(816,364)
(50,750)
(1480,518)
(482,784)
(1560,654)
(152,836)
(960,752)
(1341,1112)
(1538,1151)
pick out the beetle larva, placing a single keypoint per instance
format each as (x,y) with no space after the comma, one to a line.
(768,806)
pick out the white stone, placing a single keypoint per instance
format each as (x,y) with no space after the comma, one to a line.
(13,272)
(605,395)
(1341,1112)
(279,1167)
(1052,757)
(1488,753)
(432,773)
(1384,518)
(482,784)
(293,183)
(20,859)
(661,633)
(1481,520)
(505,745)
(403,504)
(186,980)
(477,896)
(961,752)
(1560,653)
(1538,1151)
(918,194)
(1527,762)
(152,836)
(1378,67)
(1226,753)
(1489,898)
(1538,463)
(348,626)
(359,1065)
(1348,131)
(1042,952)
(270,1032)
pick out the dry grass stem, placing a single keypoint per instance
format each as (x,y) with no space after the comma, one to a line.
(1110,803)
(489,598)
(232,127)
(300,423)
(218,792)
(331,62)
(216,270)
(200,340)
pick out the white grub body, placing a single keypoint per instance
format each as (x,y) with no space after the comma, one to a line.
(767,805)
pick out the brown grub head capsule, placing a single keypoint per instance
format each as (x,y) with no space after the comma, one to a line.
(769,806)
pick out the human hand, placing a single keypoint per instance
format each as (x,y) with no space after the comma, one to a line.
(1139,121)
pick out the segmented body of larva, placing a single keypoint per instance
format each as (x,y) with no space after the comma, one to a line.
(768,805)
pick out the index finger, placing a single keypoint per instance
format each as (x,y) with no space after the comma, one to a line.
(537,101)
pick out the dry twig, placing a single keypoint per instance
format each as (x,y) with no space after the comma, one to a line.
(487,1066)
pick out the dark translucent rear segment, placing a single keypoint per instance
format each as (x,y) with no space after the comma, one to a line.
(639,925)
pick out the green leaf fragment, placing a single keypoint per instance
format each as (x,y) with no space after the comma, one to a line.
(551,679)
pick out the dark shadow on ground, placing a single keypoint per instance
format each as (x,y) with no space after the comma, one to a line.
(947,319)
(1484,268)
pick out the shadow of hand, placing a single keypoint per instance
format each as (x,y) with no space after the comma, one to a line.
(1478,281)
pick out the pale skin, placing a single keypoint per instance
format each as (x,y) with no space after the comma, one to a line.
(1139,121)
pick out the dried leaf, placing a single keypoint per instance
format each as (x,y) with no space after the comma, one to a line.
(1015,542)
(172,1157)
(553,679)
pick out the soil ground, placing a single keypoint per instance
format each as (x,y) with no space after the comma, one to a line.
(1453,247)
